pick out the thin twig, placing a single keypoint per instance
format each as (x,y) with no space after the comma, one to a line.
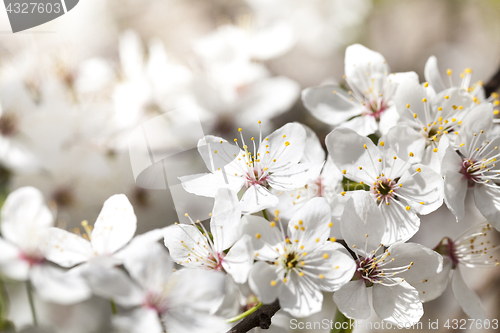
(260,318)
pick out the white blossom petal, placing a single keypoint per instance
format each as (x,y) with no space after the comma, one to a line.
(207,184)
(269,98)
(298,298)
(294,177)
(150,266)
(66,249)
(353,300)
(58,286)
(239,260)
(422,262)
(400,224)
(112,283)
(257,198)
(424,186)
(315,218)
(115,226)
(455,190)
(11,263)
(433,286)
(404,140)
(432,74)
(363,125)
(314,151)
(24,217)
(264,237)
(360,60)
(340,267)
(285,155)
(264,282)
(225,222)
(346,148)
(466,297)
(197,289)
(487,200)
(362,224)
(138,321)
(181,239)
(330,107)
(397,304)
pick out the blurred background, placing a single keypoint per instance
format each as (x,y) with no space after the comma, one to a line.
(73,91)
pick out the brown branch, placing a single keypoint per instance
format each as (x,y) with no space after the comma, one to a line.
(260,318)
(493,84)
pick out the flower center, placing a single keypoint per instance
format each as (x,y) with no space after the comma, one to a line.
(368,270)
(256,176)
(32,259)
(375,108)
(469,172)
(217,262)
(156,301)
(291,259)
(448,248)
(8,124)
(383,189)
(374,270)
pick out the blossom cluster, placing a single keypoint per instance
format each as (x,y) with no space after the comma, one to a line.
(296,216)
(291,221)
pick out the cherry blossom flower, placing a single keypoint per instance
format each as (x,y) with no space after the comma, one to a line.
(274,164)
(370,101)
(400,187)
(25,222)
(295,267)
(386,274)
(475,247)
(430,117)
(192,246)
(472,165)
(150,85)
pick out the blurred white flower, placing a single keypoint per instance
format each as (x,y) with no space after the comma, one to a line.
(230,44)
(400,187)
(149,85)
(25,223)
(388,274)
(295,266)
(320,27)
(182,300)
